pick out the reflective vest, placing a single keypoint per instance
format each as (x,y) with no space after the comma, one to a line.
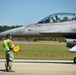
(5,45)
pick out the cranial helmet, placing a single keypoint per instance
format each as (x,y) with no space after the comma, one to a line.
(8,36)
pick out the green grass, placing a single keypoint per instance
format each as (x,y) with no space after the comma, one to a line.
(41,52)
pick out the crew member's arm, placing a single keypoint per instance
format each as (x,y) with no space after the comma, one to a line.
(11,45)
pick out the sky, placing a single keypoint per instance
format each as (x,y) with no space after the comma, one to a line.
(25,12)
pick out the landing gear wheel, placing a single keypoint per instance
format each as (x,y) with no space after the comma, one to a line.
(75,60)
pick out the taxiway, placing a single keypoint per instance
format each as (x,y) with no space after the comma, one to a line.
(40,67)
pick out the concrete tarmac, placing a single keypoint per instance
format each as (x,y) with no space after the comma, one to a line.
(40,67)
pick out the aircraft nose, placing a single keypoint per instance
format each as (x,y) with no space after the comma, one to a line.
(14,32)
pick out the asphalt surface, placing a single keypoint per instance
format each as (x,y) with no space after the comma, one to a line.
(38,42)
(40,67)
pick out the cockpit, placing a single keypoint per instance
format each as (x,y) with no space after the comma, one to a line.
(59,17)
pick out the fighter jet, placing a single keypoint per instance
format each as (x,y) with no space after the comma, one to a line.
(55,25)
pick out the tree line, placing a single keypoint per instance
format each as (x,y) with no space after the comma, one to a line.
(52,39)
(5,27)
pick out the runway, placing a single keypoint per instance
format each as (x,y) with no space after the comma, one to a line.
(38,42)
(40,67)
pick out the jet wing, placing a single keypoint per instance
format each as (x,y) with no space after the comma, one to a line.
(73,49)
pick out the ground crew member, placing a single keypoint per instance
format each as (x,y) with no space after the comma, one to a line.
(9,53)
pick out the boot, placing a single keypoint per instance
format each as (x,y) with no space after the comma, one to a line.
(10,70)
(7,69)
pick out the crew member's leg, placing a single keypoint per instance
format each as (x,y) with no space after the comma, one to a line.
(11,58)
(7,61)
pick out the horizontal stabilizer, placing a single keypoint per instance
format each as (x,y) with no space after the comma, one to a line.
(73,49)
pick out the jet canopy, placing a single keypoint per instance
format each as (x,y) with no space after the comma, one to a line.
(59,17)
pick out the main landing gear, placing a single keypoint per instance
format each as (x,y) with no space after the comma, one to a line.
(74,60)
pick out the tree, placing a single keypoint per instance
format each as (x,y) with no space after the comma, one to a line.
(5,27)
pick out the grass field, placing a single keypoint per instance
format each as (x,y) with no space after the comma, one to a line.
(41,52)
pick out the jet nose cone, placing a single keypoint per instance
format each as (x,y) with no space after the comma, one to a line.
(14,32)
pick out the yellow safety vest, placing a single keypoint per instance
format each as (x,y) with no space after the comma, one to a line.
(5,45)
(16,48)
